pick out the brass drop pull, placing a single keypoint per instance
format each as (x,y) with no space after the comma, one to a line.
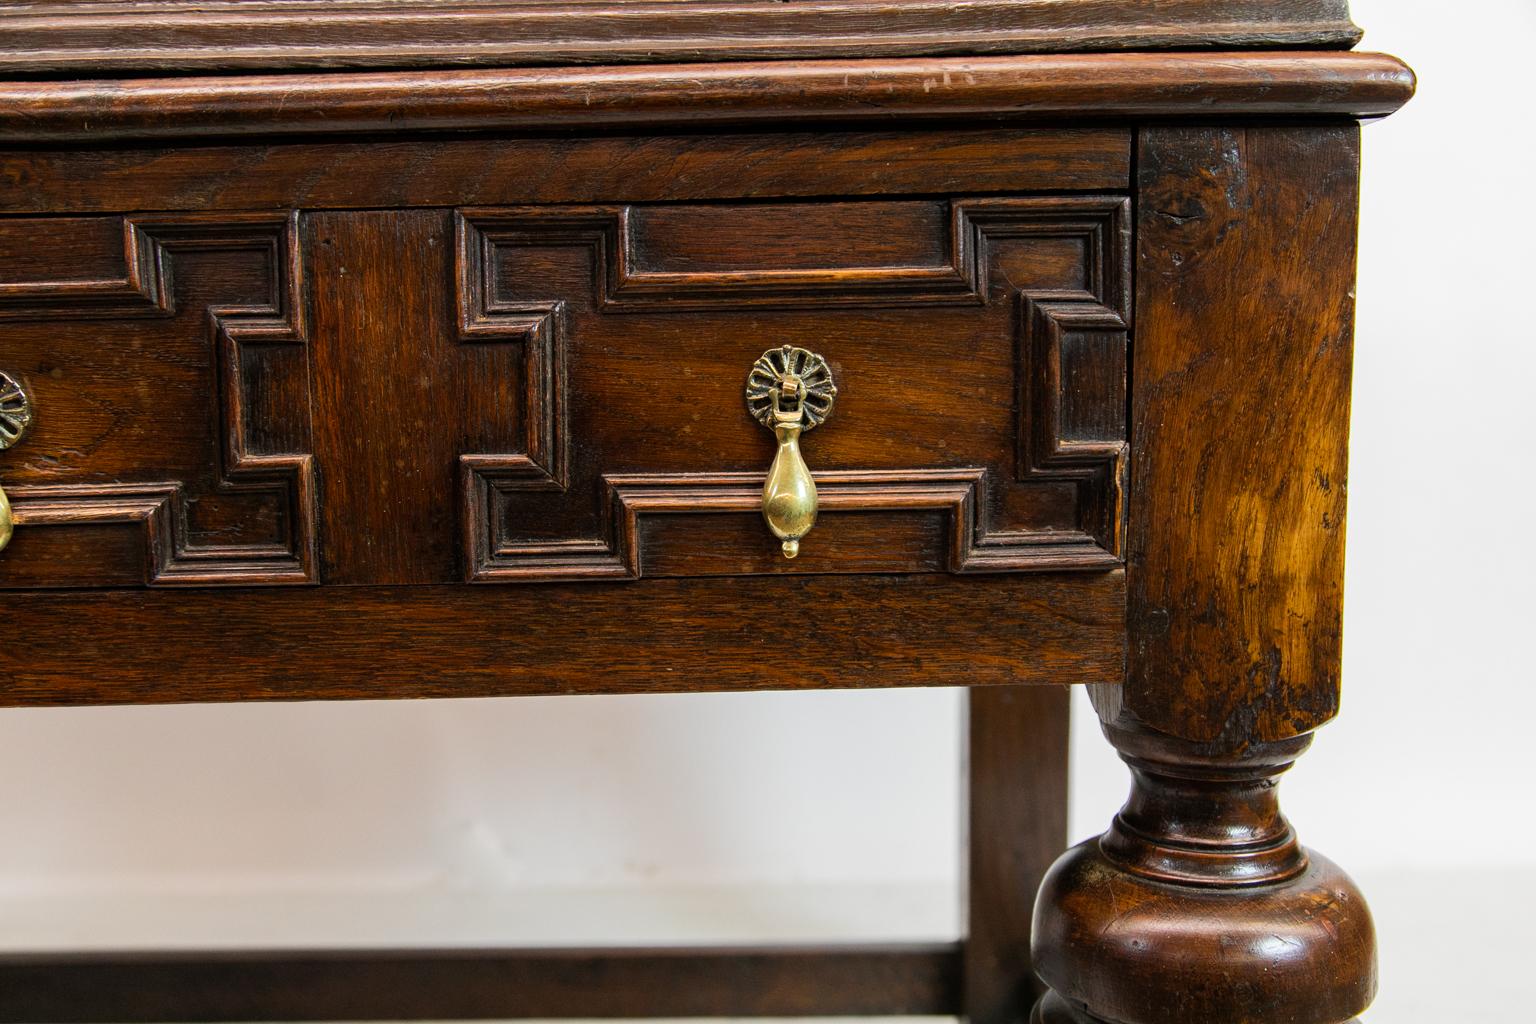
(790,391)
(15,418)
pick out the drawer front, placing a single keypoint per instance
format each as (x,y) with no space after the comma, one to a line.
(168,370)
(556,392)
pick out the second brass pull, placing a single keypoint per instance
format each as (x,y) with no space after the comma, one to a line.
(790,391)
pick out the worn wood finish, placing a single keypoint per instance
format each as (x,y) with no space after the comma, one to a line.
(1199,904)
(655,636)
(507,171)
(82,39)
(461,353)
(1016,771)
(1042,87)
(1241,421)
(102,988)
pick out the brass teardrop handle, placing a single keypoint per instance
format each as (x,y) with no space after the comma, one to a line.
(790,391)
(15,418)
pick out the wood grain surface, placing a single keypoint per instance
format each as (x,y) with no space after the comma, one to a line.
(170,374)
(1199,904)
(1241,424)
(1016,826)
(1041,87)
(511,170)
(477,984)
(430,322)
(555,392)
(176,35)
(655,636)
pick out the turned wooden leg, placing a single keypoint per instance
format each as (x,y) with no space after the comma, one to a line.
(1199,906)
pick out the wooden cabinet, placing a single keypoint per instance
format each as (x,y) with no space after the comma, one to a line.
(364,360)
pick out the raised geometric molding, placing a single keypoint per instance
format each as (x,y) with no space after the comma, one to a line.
(623,286)
(1073,395)
(1051,443)
(143,290)
(540,329)
(1076,380)
(146,290)
(959,494)
(485,479)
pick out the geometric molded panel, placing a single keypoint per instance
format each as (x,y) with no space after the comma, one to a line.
(1069,340)
(251,519)
(1075,357)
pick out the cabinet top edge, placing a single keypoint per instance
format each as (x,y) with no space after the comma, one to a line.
(1038,88)
(105,38)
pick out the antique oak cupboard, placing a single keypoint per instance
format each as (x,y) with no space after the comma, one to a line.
(407,349)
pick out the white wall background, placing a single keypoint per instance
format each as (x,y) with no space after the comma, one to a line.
(835,815)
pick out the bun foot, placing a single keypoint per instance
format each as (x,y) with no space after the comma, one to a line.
(1198,906)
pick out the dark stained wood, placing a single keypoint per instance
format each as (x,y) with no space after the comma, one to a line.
(555,392)
(1043,87)
(203,987)
(172,407)
(1055,1010)
(1199,904)
(100,37)
(454,171)
(391,404)
(654,636)
(1241,423)
(398,331)
(1016,760)
(894,445)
